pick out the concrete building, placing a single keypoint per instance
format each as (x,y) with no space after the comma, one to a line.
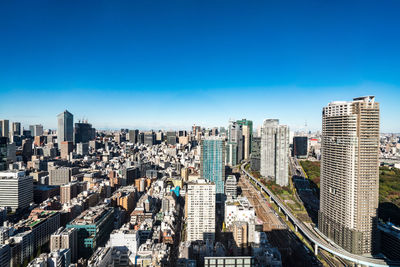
(231,187)
(36,130)
(171,138)
(125,237)
(16,128)
(66,148)
(390,244)
(240,232)
(22,247)
(4,128)
(68,191)
(255,156)
(274,162)
(16,189)
(83,132)
(82,149)
(94,227)
(5,255)
(149,138)
(235,135)
(65,239)
(350,174)
(212,167)
(133,136)
(3,153)
(59,258)
(65,129)
(231,156)
(238,210)
(300,146)
(244,261)
(247,130)
(60,176)
(200,210)
(159,137)
(42,224)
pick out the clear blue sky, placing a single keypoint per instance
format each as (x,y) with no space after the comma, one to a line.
(169,64)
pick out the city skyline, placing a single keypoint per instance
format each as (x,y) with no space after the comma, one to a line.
(134,65)
(297,125)
(199,133)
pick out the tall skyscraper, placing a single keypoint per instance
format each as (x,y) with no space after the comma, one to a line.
(275,151)
(235,135)
(212,167)
(133,136)
(231,154)
(3,153)
(300,146)
(350,174)
(200,210)
(171,138)
(65,130)
(149,138)
(255,156)
(247,130)
(83,132)
(16,128)
(36,130)
(4,128)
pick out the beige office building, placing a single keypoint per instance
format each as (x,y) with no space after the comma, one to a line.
(350,174)
(200,199)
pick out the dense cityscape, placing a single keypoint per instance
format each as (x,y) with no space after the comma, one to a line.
(204,133)
(222,196)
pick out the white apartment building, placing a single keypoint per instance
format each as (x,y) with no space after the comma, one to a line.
(200,210)
(16,189)
(274,162)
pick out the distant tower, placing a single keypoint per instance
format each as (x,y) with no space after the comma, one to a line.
(65,130)
(350,174)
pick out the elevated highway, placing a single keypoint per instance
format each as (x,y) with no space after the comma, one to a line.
(316,239)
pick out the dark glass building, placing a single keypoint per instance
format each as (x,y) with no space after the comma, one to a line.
(83,132)
(300,146)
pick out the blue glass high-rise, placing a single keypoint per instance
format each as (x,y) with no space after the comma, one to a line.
(212,166)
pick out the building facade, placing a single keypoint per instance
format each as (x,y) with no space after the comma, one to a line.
(65,127)
(16,190)
(274,162)
(83,132)
(201,207)
(36,130)
(4,128)
(247,129)
(300,146)
(212,167)
(350,174)
(65,239)
(255,156)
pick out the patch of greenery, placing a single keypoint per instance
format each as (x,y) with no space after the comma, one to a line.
(389,185)
(313,170)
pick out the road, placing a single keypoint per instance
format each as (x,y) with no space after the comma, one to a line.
(317,240)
